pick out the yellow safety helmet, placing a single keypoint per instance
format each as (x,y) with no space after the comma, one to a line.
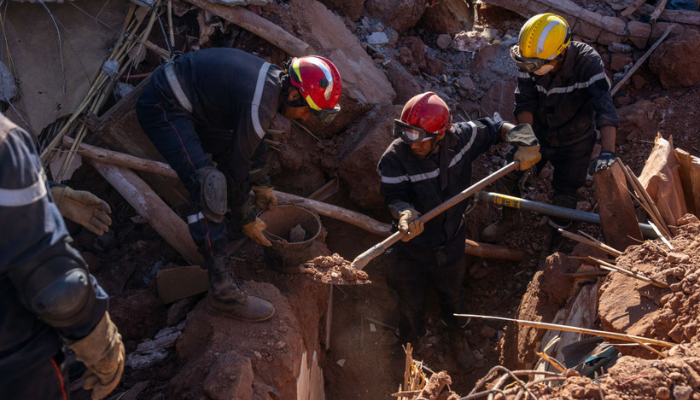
(544,36)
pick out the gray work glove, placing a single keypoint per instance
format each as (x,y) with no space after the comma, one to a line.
(604,161)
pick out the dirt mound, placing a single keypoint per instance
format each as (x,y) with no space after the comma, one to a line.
(675,377)
(634,307)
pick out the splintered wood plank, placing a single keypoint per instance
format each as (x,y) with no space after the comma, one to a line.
(617,216)
(690,179)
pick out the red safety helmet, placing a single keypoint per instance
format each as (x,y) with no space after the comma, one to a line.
(318,82)
(425,116)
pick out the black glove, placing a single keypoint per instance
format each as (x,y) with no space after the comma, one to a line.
(522,136)
(498,122)
(602,162)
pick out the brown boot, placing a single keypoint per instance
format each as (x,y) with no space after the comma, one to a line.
(506,223)
(228,299)
(461,351)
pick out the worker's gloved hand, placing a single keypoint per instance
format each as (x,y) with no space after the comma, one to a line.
(528,156)
(102,352)
(604,161)
(254,230)
(83,207)
(264,197)
(409,223)
(528,152)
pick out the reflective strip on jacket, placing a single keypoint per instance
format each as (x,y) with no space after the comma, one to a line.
(569,105)
(429,182)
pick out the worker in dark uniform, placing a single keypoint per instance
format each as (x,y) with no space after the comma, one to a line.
(564,94)
(430,162)
(47,295)
(215,106)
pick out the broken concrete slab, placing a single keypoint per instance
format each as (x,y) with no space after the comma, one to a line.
(400,15)
(447,16)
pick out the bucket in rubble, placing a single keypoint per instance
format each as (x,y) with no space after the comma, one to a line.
(292,231)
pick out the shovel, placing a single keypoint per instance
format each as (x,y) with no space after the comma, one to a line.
(363,259)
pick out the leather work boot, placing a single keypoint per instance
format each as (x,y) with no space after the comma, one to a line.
(228,299)
(502,227)
(461,351)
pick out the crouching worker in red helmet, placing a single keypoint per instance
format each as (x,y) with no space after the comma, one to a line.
(429,162)
(215,106)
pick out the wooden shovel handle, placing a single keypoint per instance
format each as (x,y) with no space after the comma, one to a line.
(363,259)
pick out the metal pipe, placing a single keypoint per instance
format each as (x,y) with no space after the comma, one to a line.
(551,210)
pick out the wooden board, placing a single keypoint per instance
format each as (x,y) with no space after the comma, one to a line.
(661,178)
(617,216)
(690,179)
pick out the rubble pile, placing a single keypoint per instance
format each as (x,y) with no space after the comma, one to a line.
(335,270)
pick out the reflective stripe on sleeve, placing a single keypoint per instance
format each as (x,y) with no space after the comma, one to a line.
(25,196)
(255,106)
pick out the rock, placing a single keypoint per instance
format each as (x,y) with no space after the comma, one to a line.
(466,82)
(449,16)
(218,383)
(350,8)
(487,332)
(675,61)
(358,170)
(417,47)
(139,314)
(377,38)
(489,34)
(675,375)
(400,15)
(639,33)
(468,41)
(500,97)
(618,61)
(682,392)
(280,345)
(297,234)
(639,119)
(444,41)
(663,393)
(677,258)
(688,219)
(638,81)
(179,309)
(405,84)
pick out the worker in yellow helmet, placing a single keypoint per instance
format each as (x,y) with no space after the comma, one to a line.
(564,94)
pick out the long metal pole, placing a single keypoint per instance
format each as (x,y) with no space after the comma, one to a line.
(552,210)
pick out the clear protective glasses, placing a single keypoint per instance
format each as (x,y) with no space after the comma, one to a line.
(528,64)
(413,134)
(326,115)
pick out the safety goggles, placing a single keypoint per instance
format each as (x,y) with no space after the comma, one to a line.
(413,134)
(528,64)
(326,115)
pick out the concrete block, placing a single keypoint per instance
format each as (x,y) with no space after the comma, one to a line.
(538,8)
(566,7)
(614,25)
(639,33)
(586,30)
(592,18)
(606,37)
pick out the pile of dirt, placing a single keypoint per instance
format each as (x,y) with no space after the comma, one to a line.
(674,377)
(335,270)
(635,307)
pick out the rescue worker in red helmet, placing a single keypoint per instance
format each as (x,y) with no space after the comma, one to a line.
(429,162)
(215,106)
(564,94)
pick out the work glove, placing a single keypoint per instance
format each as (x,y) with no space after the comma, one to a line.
(102,352)
(254,230)
(604,161)
(409,223)
(265,198)
(83,207)
(528,152)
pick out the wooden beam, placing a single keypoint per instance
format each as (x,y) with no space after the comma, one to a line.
(617,216)
(147,203)
(121,159)
(257,25)
(351,217)
(486,250)
(673,16)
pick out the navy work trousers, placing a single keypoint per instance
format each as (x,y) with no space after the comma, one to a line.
(412,268)
(173,133)
(46,381)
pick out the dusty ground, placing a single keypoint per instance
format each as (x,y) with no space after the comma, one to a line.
(357,362)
